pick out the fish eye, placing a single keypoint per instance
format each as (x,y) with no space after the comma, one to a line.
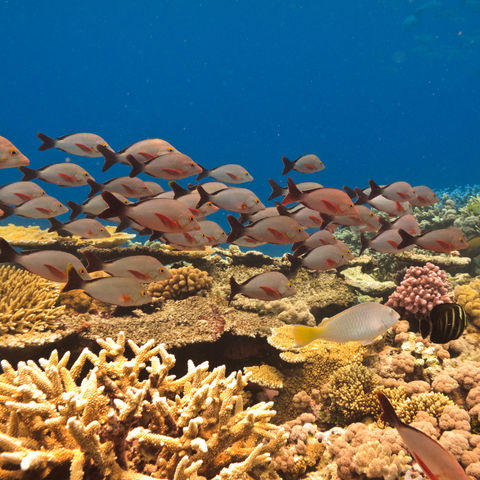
(59,205)
(289,284)
(191,218)
(85,174)
(222,232)
(102,229)
(143,293)
(192,164)
(13,152)
(82,270)
(299,229)
(161,269)
(125,201)
(350,205)
(257,200)
(245,173)
(209,204)
(170,149)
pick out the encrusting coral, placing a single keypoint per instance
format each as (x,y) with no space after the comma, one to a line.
(184,282)
(468,296)
(27,301)
(127,418)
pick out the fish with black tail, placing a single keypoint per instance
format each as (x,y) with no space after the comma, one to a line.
(446,322)
(82,144)
(305,164)
(229,173)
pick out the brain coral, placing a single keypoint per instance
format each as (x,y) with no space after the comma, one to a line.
(27,301)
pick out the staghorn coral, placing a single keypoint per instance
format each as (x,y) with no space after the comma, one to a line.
(185,282)
(468,296)
(127,418)
(27,301)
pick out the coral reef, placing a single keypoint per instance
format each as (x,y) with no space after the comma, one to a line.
(468,296)
(27,301)
(128,418)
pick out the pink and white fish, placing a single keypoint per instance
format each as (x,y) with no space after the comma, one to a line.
(325,257)
(406,222)
(321,237)
(126,186)
(190,198)
(437,462)
(169,166)
(229,173)
(424,196)
(125,292)
(143,268)
(49,264)
(305,164)
(444,240)
(10,155)
(154,187)
(392,207)
(235,199)
(194,240)
(93,206)
(247,241)
(214,233)
(209,187)
(396,191)
(82,144)
(61,174)
(278,191)
(385,242)
(40,207)
(264,286)
(305,216)
(83,228)
(20,192)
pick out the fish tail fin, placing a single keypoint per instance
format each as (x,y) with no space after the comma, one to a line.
(55,225)
(300,250)
(362,197)
(155,235)
(204,196)
(28,173)
(375,190)
(7,253)
(287,165)
(109,155)
(244,217)
(282,210)
(76,209)
(95,187)
(295,263)
(123,225)
(116,208)
(384,225)
(237,229)
(202,174)
(364,243)
(388,414)
(294,193)
(276,189)
(425,327)
(48,142)
(350,192)
(74,280)
(235,289)
(7,210)
(137,167)
(407,239)
(94,264)
(326,219)
(178,190)
(296,246)
(303,335)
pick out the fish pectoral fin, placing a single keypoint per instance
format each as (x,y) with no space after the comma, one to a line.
(125,298)
(232,176)
(330,262)
(56,272)
(424,467)
(66,177)
(444,244)
(147,156)
(85,148)
(172,171)
(139,275)
(310,166)
(271,292)
(303,335)
(393,243)
(330,206)
(276,233)
(166,220)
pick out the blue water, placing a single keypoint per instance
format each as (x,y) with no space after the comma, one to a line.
(380,89)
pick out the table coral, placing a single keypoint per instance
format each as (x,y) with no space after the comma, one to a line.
(27,301)
(128,418)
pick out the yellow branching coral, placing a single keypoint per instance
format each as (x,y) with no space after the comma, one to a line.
(185,282)
(27,301)
(468,296)
(127,418)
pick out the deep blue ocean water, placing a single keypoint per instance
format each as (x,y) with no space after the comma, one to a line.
(387,90)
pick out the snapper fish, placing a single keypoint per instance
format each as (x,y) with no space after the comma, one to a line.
(194,240)
(125,292)
(143,268)
(10,155)
(406,222)
(424,196)
(317,239)
(278,191)
(49,264)
(125,186)
(93,206)
(385,242)
(20,192)
(83,228)
(392,207)
(209,187)
(61,174)
(161,214)
(305,164)
(82,144)
(142,151)
(264,286)
(40,207)
(247,241)
(324,257)
(154,187)
(396,191)
(443,240)
(229,173)
(253,217)
(437,462)
(235,199)
(279,230)
(191,198)
(169,166)
(214,233)
(305,216)
(361,323)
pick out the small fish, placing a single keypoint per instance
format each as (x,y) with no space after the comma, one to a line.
(214,233)
(83,228)
(235,199)
(19,192)
(396,191)
(385,242)
(278,191)
(40,207)
(125,186)
(229,173)
(142,151)
(49,264)
(280,230)
(305,216)
(93,206)
(125,292)
(61,174)
(443,240)
(82,144)
(305,164)
(191,198)
(393,208)
(437,462)
(424,196)
(169,166)
(154,187)
(209,187)
(330,201)
(264,286)
(361,323)
(194,240)
(446,321)
(253,217)
(143,268)
(324,257)
(317,239)
(161,214)
(247,241)
(10,156)
(406,222)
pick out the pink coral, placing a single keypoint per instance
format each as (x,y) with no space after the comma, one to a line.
(421,289)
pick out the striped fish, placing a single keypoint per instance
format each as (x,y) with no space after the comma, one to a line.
(447,322)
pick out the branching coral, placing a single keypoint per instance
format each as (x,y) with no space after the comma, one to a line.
(27,301)
(129,419)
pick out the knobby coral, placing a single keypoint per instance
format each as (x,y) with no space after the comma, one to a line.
(129,419)
(469,297)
